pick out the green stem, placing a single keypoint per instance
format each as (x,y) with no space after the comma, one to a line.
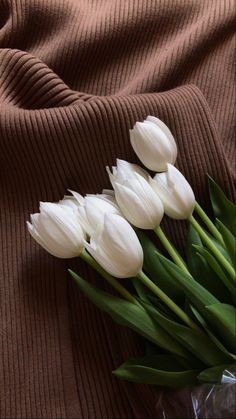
(170,249)
(210,225)
(160,294)
(208,242)
(112,281)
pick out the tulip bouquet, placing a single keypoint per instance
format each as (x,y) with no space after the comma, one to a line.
(183,307)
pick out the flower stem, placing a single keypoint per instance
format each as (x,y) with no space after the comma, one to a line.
(208,242)
(210,225)
(159,293)
(170,249)
(112,281)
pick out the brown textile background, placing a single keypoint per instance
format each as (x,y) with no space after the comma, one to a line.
(74,76)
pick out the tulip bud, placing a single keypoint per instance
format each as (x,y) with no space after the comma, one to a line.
(57,229)
(154,144)
(117,248)
(136,198)
(92,209)
(175,192)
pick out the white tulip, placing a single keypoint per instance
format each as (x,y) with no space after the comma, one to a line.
(154,144)
(116,247)
(92,209)
(69,201)
(57,229)
(124,169)
(135,196)
(175,192)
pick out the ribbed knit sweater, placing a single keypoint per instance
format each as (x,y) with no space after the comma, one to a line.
(75,75)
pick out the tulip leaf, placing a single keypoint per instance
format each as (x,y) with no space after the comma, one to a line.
(230,241)
(217,268)
(195,292)
(157,271)
(201,269)
(166,362)
(197,342)
(219,246)
(131,315)
(211,335)
(223,208)
(160,370)
(140,289)
(202,300)
(224,317)
(162,308)
(213,374)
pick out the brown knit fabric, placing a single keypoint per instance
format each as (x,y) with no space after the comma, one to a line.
(75,75)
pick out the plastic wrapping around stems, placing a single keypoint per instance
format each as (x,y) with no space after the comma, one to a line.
(218,400)
(206,401)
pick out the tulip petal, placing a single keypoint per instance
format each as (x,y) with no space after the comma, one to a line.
(70,244)
(133,208)
(83,219)
(120,237)
(108,192)
(69,201)
(167,131)
(110,199)
(105,261)
(40,241)
(154,144)
(77,196)
(139,202)
(57,215)
(175,192)
(111,245)
(57,229)
(130,169)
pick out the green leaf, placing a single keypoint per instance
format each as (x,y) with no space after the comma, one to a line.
(156,371)
(202,300)
(199,296)
(217,268)
(214,339)
(224,318)
(230,241)
(201,270)
(166,362)
(140,289)
(198,343)
(223,208)
(157,272)
(162,307)
(213,374)
(219,246)
(131,315)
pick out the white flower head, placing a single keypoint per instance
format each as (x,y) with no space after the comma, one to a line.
(57,229)
(175,192)
(92,209)
(154,144)
(135,196)
(116,247)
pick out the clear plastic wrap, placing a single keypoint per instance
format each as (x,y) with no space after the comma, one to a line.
(206,401)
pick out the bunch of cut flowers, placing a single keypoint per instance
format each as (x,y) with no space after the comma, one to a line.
(183,307)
